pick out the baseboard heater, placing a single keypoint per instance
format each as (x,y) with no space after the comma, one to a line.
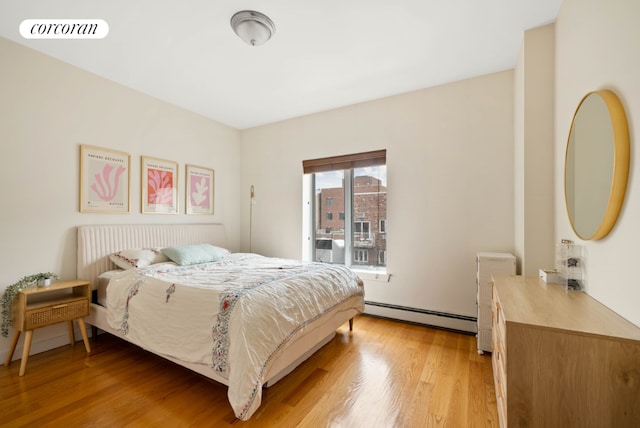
(456,326)
(422,311)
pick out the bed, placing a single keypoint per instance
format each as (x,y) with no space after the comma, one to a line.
(209,317)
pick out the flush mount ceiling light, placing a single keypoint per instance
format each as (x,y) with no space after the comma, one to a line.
(253,27)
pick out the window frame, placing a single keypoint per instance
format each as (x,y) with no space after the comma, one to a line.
(382,255)
(361,256)
(362,232)
(347,164)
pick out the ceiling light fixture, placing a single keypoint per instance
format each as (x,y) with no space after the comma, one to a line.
(253,27)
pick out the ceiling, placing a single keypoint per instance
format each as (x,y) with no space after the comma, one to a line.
(324,54)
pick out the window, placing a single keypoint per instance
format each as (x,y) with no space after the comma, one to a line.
(382,257)
(361,256)
(361,230)
(356,185)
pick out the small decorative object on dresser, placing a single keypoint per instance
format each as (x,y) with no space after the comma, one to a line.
(47,279)
(35,307)
(570,265)
(549,276)
(489,264)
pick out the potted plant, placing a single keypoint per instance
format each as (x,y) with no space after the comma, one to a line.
(12,291)
(46,279)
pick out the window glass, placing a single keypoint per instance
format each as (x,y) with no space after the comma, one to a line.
(370,203)
(359,195)
(329,232)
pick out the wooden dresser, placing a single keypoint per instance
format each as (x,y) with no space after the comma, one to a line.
(561,358)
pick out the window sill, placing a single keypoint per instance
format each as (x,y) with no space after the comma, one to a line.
(367,275)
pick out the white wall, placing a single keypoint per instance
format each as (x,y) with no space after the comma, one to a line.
(534,150)
(597,46)
(450,156)
(47,109)
(449,166)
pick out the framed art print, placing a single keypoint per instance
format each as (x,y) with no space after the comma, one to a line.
(104,180)
(199,190)
(159,186)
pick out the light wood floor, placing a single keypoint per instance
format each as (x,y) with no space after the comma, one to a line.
(383,374)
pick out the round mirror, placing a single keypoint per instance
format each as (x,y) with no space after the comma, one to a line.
(596,164)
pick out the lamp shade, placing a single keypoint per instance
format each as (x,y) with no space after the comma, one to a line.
(254,28)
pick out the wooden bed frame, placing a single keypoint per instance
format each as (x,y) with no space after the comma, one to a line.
(96,242)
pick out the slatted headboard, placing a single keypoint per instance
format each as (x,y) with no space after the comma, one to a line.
(96,242)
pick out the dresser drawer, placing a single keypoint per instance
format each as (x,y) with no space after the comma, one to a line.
(500,366)
(56,312)
(496,308)
(498,322)
(499,357)
(500,337)
(500,383)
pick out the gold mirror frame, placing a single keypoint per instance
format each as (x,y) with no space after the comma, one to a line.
(620,172)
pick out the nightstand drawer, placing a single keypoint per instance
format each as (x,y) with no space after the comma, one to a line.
(60,311)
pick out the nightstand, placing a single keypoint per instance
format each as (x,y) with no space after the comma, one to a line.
(36,307)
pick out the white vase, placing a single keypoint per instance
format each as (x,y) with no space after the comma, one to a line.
(44,282)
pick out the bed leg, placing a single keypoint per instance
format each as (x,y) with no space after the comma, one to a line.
(350,324)
(94,332)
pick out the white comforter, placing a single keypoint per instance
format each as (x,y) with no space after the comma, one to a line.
(233,315)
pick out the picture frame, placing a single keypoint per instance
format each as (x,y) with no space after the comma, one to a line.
(105,177)
(159,186)
(199,193)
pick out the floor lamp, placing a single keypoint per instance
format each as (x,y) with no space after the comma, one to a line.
(252,202)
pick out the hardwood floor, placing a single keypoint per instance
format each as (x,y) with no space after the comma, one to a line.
(383,374)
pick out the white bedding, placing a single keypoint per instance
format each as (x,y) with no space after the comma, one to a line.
(233,315)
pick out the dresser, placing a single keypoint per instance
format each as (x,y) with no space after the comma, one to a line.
(487,265)
(562,359)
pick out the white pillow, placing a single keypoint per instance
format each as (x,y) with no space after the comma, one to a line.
(138,257)
(109,274)
(194,254)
